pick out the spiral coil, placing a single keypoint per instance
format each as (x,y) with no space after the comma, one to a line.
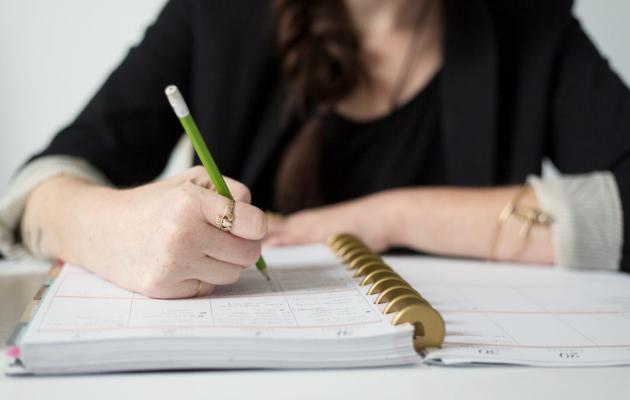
(391,289)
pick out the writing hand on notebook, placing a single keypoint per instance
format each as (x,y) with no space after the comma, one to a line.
(159,239)
(367,217)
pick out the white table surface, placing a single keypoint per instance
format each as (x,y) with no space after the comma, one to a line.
(18,283)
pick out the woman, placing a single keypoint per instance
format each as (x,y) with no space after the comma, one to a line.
(410,123)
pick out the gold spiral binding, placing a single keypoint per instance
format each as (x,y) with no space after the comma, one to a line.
(355,253)
(384,283)
(363,259)
(370,267)
(348,248)
(402,300)
(392,292)
(376,275)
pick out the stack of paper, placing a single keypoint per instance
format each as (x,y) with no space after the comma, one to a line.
(311,314)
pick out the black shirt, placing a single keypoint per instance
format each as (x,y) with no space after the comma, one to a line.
(400,149)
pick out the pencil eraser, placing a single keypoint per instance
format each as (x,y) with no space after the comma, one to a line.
(177,101)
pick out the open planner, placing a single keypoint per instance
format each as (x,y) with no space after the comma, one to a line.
(312,314)
(332,306)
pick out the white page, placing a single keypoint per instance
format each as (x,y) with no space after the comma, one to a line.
(532,315)
(311,295)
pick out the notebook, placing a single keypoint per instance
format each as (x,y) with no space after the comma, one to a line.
(333,306)
(532,315)
(313,313)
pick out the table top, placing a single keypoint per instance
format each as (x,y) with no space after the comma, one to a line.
(18,282)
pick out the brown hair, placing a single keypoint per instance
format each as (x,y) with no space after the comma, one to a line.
(319,51)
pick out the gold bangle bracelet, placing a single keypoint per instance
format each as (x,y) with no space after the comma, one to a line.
(529,217)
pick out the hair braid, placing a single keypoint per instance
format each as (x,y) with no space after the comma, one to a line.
(319,51)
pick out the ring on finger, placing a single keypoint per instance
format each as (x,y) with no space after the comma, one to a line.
(199,285)
(225,221)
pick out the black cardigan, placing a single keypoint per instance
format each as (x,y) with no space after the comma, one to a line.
(521,81)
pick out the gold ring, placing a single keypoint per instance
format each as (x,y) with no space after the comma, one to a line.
(198,292)
(225,221)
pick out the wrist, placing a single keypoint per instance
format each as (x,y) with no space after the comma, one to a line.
(93,212)
(391,206)
(55,217)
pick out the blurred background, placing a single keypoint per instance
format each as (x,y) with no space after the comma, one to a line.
(55,55)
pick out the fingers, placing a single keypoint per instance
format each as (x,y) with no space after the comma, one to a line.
(304,227)
(196,288)
(239,191)
(185,289)
(203,277)
(275,222)
(199,176)
(287,239)
(296,223)
(225,247)
(203,288)
(214,272)
(249,222)
(199,278)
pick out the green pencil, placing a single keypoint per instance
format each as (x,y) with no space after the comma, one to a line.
(178,103)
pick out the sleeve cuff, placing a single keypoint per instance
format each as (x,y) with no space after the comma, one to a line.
(13,201)
(587,232)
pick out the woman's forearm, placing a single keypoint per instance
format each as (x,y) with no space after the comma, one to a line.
(463,222)
(447,221)
(55,214)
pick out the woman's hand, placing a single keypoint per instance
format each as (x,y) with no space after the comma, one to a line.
(449,221)
(370,218)
(159,239)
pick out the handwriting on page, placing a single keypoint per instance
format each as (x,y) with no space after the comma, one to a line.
(319,297)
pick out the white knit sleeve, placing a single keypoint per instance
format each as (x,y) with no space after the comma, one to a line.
(587,232)
(13,200)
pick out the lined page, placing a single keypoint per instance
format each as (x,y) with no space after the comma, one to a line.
(310,295)
(534,315)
